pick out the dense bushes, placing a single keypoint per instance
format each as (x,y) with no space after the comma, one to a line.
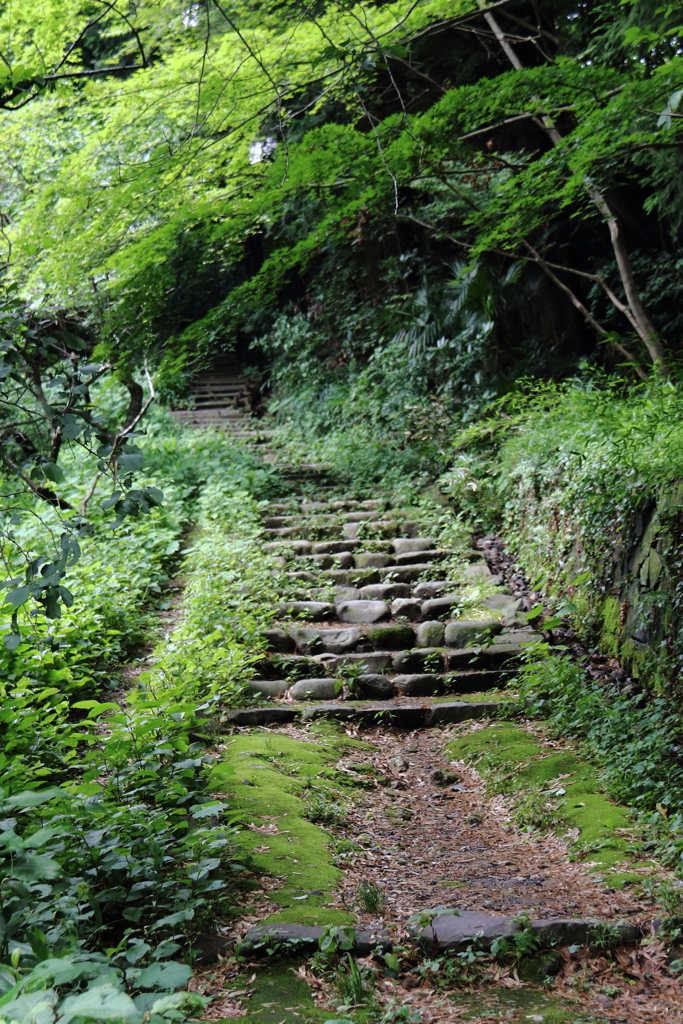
(115,851)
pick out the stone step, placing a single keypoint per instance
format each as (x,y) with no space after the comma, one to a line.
(416,715)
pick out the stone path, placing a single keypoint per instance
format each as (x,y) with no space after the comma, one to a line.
(409,640)
(368,606)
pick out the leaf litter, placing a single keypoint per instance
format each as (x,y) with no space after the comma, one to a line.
(426,845)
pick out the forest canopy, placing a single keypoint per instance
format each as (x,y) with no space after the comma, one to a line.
(183,176)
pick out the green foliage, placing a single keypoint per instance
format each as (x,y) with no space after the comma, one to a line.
(632,742)
(371,897)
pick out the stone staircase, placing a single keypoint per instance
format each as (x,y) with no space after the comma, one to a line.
(223,402)
(370,629)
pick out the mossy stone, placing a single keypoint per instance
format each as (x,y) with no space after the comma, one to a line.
(535,969)
(395,637)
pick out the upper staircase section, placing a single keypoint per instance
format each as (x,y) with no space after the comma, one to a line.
(223,401)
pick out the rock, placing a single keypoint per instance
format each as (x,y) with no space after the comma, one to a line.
(268,687)
(520,636)
(503,603)
(313,506)
(433,588)
(362,517)
(305,576)
(478,571)
(314,611)
(368,939)
(333,547)
(298,547)
(464,632)
(535,969)
(440,607)
(373,559)
(210,946)
(441,778)
(342,594)
(474,680)
(403,573)
(451,932)
(406,608)
(314,689)
(374,686)
(423,659)
(399,763)
(459,711)
(390,637)
(419,557)
(278,640)
(350,530)
(261,716)
(384,591)
(294,666)
(382,528)
(430,634)
(494,656)
(405,544)
(363,611)
(294,936)
(371,661)
(332,641)
(419,685)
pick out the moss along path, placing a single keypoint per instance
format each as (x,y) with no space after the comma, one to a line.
(458,862)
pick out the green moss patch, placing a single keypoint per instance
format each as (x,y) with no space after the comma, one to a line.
(281,997)
(274,774)
(515,760)
(517,1005)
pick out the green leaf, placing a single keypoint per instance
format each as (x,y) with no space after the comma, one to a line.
(52,471)
(165,976)
(18,596)
(103,1002)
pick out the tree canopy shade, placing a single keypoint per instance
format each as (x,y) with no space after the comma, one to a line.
(187,203)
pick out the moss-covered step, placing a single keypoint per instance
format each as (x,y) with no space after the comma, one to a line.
(514,759)
(278,783)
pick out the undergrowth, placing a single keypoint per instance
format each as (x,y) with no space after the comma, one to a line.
(636,743)
(115,852)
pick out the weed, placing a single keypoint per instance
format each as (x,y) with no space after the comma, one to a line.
(371,897)
(536,810)
(320,808)
(351,983)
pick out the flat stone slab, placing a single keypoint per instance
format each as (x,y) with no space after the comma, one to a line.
(374,686)
(420,659)
(439,607)
(419,685)
(459,711)
(372,661)
(363,611)
(314,689)
(384,591)
(373,559)
(261,716)
(314,611)
(402,545)
(268,687)
(333,641)
(390,636)
(417,557)
(406,608)
(457,932)
(404,573)
(334,547)
(434,588)
(258,939)
(464,632)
